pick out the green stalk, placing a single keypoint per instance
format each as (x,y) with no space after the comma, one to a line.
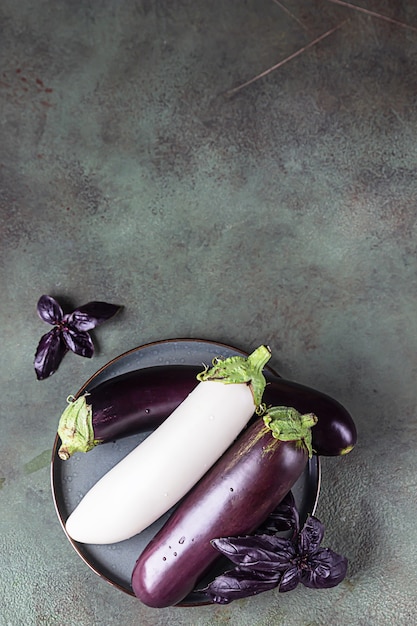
(240,369)
(287,424)
(75,428)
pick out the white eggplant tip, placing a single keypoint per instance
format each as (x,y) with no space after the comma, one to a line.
(76,531)
(79,530)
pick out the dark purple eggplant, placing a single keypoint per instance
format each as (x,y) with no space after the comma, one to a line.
(335,432)
(142,399)
(125,405)
(233,498)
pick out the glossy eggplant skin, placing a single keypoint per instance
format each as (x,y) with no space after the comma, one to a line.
(139,400)
(235,496)
(335,432)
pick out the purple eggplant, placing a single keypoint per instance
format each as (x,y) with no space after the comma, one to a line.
(142,399)
(233,498)
(125,405)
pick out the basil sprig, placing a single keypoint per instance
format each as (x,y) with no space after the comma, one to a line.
(265,561)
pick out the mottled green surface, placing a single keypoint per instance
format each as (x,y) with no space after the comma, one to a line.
(284,215)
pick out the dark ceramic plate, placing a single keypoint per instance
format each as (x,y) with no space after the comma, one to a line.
(73,478)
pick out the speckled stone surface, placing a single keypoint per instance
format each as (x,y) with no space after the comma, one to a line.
(285,214)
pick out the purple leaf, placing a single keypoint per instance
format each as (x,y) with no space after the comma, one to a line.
(283,517)
(49,354)
(311,536)
(49,310)
(290,579)
(240,583)
(78,341)
(91,315)
(263,553)
(327,569)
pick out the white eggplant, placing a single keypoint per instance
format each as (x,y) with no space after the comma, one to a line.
(171,460)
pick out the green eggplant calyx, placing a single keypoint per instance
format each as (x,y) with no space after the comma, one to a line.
(287,424)
(75,428)
(240,369)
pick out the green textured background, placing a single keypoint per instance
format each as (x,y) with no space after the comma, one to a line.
(284,215)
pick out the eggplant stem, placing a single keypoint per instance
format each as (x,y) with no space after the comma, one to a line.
(239,369)
(75,428)
(287,424)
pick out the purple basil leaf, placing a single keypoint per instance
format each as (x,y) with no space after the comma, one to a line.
(263,553)
(91,315)
(290,579)
(78,341)
(240,583)
(327,569)
(49,354)
(49,310)
(283,517)
(310,537)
